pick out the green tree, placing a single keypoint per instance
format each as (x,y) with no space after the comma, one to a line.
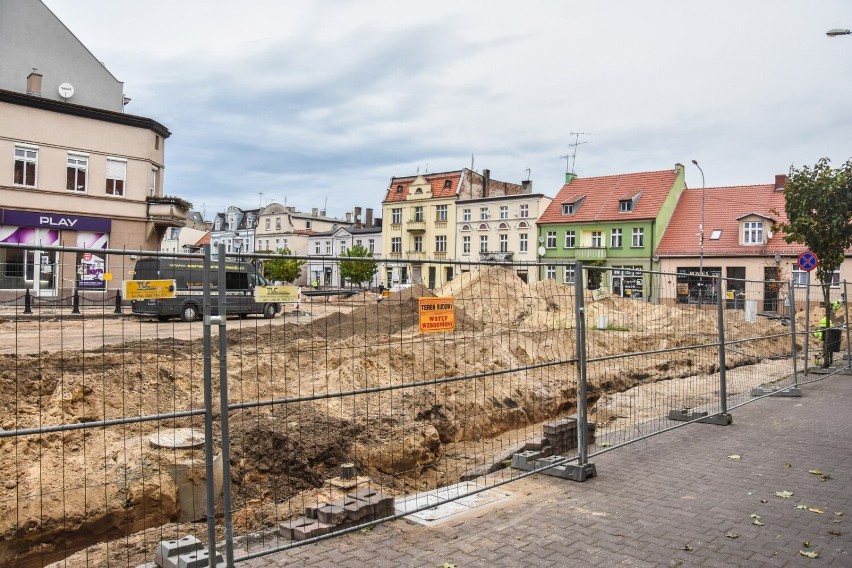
(358,271)
(818,202)
(283,269)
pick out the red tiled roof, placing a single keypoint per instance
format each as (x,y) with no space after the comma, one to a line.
(205,240)
(723,207)
(436,181)
(602,195)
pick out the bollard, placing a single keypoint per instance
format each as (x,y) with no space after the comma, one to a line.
(28,302)
(117,302)
(75,302)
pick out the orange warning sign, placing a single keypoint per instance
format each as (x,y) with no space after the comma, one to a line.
(436,314)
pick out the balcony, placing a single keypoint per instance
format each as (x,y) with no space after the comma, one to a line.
(415,226)
(168,211)
(496,256)
(590,253)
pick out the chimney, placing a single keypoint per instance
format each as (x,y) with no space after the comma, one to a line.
(322,212)
(349,217)
(780,182)
(526,186)
(314,211)
(369,222)
(358,219)
(486,177)
(569,176)
(34,83)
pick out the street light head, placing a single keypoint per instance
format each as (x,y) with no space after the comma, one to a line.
(695,162)
(837,32)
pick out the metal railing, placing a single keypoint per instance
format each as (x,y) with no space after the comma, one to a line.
(259,435)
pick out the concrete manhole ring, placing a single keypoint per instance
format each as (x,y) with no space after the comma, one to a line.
(177,438)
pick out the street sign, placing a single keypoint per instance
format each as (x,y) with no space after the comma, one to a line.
(808,261)
(149,289)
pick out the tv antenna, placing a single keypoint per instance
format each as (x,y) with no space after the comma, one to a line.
(529,171)
(573,153)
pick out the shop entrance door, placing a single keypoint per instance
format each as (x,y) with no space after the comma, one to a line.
(40,272)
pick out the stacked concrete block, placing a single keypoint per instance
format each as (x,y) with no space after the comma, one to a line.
(561,435)
(355,508)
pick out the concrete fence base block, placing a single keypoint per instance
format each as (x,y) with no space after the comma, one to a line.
(525,460)
(199,559)
(168,551)
(684,415)
(776,391)
(718,419)
(574,472)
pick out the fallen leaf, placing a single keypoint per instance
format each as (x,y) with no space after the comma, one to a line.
(816,510)
(784,494)
(447,565)
(835,533)
(731,534)
(604,445)
(809,554)
(838,513)
(764,501)
(754,516)
(825,477)
(806,544)
(735,457)
(367,529)
(801,506)
(758,523)
(836,521)
(815,471)
(788,465)
(688,548)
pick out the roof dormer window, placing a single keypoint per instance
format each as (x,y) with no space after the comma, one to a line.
(569,208)
(447,184)
(625,205)
(753,233)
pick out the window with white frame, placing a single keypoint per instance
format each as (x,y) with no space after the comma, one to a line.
(550,242)
(523,242)
(615,238)
(483,243)
(570,239)
(116,174)
(309,224)
(396,216)
(550,272)
(268,223)
(568,277)
(418,243)
(441,243)
(753,233)
(504,243)
(371,245)
(396,245)
(466,216)
(568,208)
(343,248)
(440,213)
(75,179)
(625,205)
(597,239)
(504,211)
(525,211)
(466,245)
(484,214)
(328,247)
(418,214)
(317,247)
(278,223)
(26,165)
(638,237)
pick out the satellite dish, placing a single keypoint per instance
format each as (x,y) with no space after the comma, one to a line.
(66,90)
(541,251)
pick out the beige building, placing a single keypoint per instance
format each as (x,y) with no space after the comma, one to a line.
(75,175)
(501,229)
(419,223)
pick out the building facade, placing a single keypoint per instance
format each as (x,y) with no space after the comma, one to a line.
(324,270)
(609,221)
(75,170)
(419,226)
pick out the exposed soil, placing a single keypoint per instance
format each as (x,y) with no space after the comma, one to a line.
(69,491)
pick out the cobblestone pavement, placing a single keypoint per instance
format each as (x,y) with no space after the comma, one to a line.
(677,499)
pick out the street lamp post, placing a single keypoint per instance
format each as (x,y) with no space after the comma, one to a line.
(701,236)
(837,32)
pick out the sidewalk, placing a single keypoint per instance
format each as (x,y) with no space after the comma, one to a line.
(676,499)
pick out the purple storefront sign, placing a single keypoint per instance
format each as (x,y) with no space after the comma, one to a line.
(54,221)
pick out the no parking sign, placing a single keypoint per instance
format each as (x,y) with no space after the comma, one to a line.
(807,261)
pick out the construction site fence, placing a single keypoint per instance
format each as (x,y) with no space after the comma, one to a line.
(382,392)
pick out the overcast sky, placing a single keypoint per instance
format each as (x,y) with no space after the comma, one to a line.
(319,103)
